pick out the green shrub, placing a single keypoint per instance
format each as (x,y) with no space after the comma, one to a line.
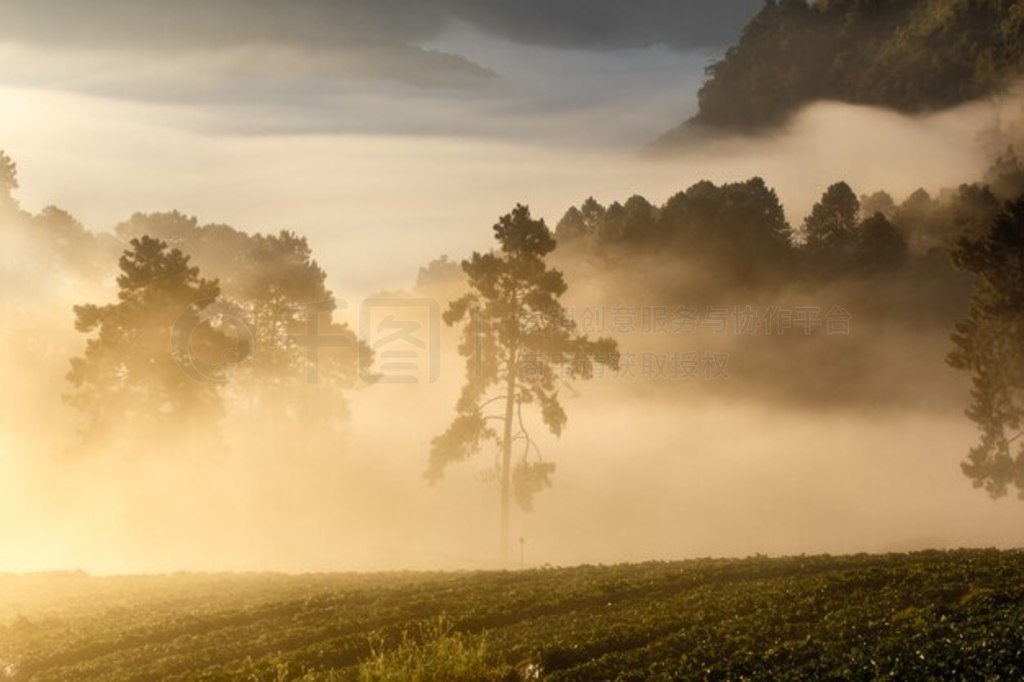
(436,653)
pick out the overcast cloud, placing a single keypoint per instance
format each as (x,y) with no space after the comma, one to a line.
(591,24)
(530,70)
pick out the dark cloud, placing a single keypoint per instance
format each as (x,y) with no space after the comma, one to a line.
(590,24)
(470,67)
(331,39)
(610,24)
(176,24)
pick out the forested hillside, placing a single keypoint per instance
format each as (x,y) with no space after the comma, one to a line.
(907,55)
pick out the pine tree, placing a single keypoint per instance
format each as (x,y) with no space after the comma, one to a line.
(988,344)
(517,338)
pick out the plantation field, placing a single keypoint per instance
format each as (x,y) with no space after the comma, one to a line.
(944,615)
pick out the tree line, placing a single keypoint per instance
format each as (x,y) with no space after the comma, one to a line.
(740,229)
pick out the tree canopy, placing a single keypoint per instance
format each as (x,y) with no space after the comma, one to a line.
(275,288)
(130,375)
(8,180)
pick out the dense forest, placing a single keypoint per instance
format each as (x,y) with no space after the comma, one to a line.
(873,52)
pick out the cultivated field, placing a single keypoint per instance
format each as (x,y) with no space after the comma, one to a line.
(947,615)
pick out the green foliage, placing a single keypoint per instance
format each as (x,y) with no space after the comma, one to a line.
(130,373)
(904,54)
(740,223)
(8,181)
(737,233)
(154,358)
(830,228)
(739,230)
(1006,175)
(988,343)
(439,272)
(838,242)
(52,241)
(929,615)
(879,245)
(71,248)
(273,286)
(437,653)
(879,202)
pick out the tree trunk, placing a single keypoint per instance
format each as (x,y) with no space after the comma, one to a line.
(506,460)
(506,445)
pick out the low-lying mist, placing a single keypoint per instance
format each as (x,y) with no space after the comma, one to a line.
(804,444)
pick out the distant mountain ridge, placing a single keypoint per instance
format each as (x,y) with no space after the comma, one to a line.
(908,55)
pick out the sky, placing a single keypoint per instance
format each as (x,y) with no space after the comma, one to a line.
(494,68)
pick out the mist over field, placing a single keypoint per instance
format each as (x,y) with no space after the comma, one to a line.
(387,153)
